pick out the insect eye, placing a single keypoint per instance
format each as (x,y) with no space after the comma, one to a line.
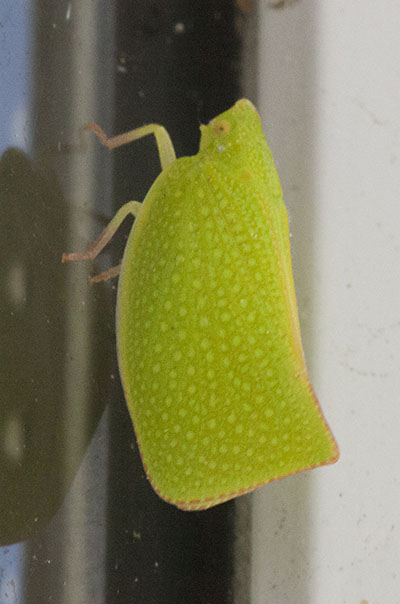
(221,126)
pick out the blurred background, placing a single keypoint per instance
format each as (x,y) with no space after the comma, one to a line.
(79,523)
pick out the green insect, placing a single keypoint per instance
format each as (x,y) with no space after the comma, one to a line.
(209,343)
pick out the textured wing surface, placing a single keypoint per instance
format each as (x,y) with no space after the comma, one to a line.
(209,342)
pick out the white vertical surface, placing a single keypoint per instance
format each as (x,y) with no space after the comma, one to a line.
(334,68)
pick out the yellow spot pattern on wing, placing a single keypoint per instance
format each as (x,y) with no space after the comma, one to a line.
(208,337)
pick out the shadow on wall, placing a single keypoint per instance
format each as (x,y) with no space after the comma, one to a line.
(35,473)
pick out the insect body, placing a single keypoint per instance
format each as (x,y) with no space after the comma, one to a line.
(209,343)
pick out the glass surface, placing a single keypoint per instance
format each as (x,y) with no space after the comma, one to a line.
(79,521)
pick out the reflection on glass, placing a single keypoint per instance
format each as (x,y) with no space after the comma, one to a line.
(78,520)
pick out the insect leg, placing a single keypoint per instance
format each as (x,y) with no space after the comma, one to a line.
(106,275)
(164,144)
(132,207)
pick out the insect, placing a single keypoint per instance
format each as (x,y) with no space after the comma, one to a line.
(208,335)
